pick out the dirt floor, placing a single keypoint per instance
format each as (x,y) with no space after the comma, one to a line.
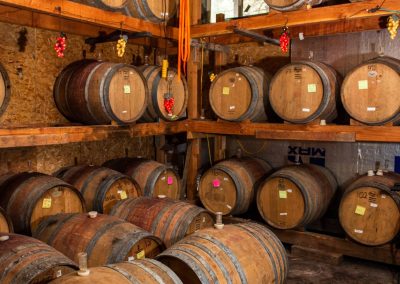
(305,270)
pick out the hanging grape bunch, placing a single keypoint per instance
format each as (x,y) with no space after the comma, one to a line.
(284,40)
(61,45)
(121,45)
(393,25)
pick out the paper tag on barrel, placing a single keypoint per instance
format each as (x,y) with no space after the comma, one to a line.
(46,203)
(140,255)
(122,194)
(170,180)
(216,183)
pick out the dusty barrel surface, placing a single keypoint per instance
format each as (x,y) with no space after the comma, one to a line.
(152,10)
(295,196)
(370,92)
(303,91)
(241,253)
(168,219)
(27,198)
(109,5)
(290,5)
(105,239)
(101,187)
(153,177)
(369,211)
(238,94)
(160,89)
(95,92)
(139,271)
(27,260)
(229,186)
(5,89)
(5,222)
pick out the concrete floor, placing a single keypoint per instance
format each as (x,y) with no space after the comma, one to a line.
(304,270)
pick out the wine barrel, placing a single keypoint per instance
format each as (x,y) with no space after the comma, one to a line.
(153,178)
(27,198)
(290,5)
(101,187)
(168,219)
(240,253)
(101,92)
(152,10)
(105,239)
(229,186)
(5,89)
(238,94)
(27,260)
(108,5)
(370,92)
(369,211)
(147,271)
(304,91)
(295,196)
(5,222)
(159,89)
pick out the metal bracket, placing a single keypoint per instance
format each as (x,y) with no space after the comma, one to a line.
(256,36)
(114,36)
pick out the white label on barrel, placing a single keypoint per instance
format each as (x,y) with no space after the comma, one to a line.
(312,88)
(124,111)
(383,196)
(363,85)
(228,206)
(163,178)
(46,203)
(58,273)
(127,89)
(283,214)
(358,231)
(289,190)
(226,179)
(306,110)
(373,205)
(123,194)
(371,108)
(232,107)
(204,219)
(131,258)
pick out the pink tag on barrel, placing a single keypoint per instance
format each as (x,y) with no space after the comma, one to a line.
(170,180)
(216,183)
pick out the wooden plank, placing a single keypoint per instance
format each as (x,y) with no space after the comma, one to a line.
(328,243)
(307,135)
(318,255)
(193,167)
(328,14)
(91,15)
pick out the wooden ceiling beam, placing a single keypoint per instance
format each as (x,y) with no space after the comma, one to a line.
(324,16)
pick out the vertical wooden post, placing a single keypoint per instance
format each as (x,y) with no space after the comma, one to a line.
(160,153)
(194,161)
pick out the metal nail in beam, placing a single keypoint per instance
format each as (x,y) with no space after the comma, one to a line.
(256,36)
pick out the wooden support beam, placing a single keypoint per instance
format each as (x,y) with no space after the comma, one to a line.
(323,15)
(86,14)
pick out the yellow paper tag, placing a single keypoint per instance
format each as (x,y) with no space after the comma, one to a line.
(363,85)
(312,88)
(140,255)
(282,194)
(360,210)
(127,89)
(46,203)
(226,90)
(123,194)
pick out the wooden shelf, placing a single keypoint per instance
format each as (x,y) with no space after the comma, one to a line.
(325,19)
(74,18)
(41,136)
(271,131)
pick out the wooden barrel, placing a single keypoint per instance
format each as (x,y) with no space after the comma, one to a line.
(229,186)
(105,239)
(27,260)
(101,187)
(295,196)
(152,10)
(101,92)
(147,271)
(290,5)
(5,89)
(369,211)
(168,219)
(370,92)
(238,94)
(159,89)
(108,5)
(153,178)
(304,91)
(5,222)
(27,198)
(240,253)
